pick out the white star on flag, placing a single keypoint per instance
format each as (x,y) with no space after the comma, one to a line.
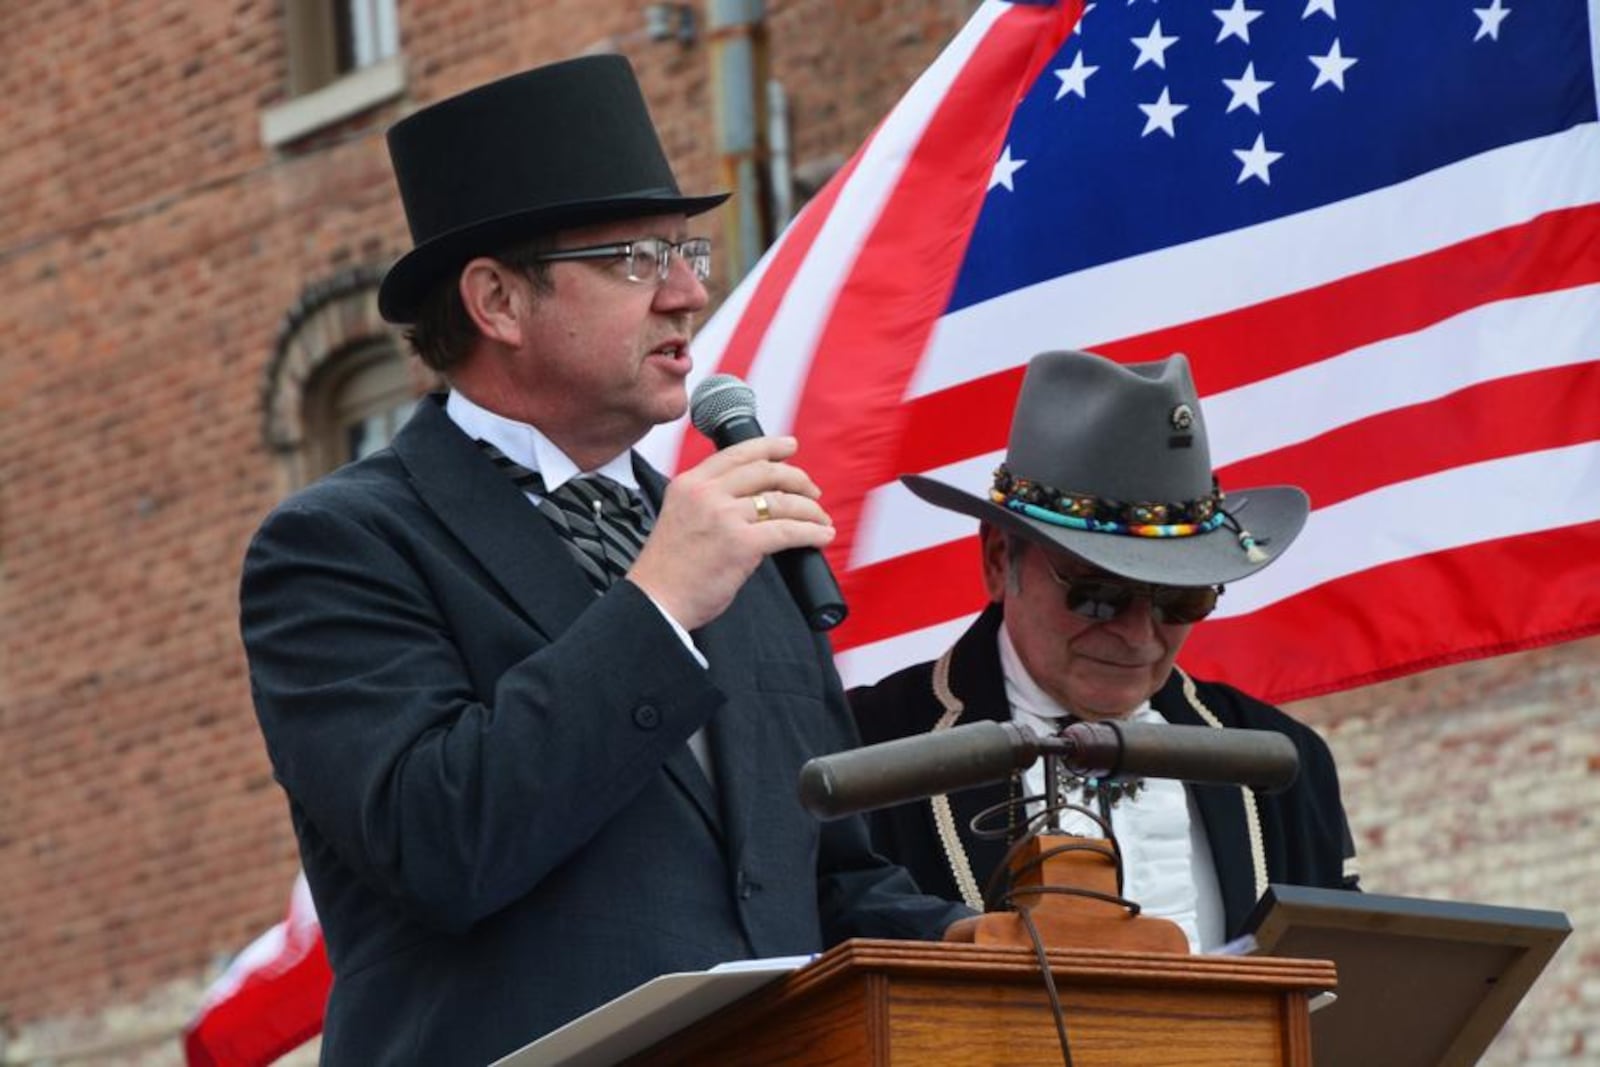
(1074,77)
(1159,115)
(1489,20)
(1153,47)
(1256,159)
(1331,67)
(1004,168)
(1324,6)
(1236,22)
(1246,89)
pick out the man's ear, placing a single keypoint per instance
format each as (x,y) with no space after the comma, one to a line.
(992,543)
(490,294)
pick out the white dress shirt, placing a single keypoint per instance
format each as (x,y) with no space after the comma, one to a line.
(1166,856)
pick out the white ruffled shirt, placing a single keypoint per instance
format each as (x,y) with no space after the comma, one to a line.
(1167,864)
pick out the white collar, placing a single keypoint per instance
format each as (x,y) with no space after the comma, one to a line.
(525,444)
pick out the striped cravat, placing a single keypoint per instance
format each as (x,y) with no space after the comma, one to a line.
(602,521)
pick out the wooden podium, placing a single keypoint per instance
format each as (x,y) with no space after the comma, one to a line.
(881,1003)
(1140,999)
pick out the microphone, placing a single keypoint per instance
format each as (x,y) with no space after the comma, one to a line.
(724,409)
(945,761)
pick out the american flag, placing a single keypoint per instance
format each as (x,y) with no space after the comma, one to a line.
(1373,228)
(269,1001)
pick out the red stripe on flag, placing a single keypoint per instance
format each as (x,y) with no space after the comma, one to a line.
(1528,413)
(271,1013)
(270,998)
(1558,250)
(912,591)
(901,281)
(1385,622)
(1498,594)
(1531,412)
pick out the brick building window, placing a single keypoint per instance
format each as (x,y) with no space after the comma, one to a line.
(355,405)
(340,383)
(327,41)
(343,58)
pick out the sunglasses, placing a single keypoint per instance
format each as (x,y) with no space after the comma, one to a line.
(1103,597)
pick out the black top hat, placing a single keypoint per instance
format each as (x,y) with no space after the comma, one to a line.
(1111,463)
(563,145)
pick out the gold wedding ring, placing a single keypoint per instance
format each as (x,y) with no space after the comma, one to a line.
(763,510)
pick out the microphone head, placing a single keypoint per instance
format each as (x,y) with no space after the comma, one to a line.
(720,399)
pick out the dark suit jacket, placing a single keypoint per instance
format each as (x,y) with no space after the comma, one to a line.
(1304,831)
(487,772)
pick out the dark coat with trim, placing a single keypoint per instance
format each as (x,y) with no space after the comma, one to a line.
(486,767)
(1304,830)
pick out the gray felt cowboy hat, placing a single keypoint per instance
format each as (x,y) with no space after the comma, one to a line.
(559,146)
(1110,463)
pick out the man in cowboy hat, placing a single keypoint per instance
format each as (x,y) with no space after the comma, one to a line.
(1104,541)
(538,713)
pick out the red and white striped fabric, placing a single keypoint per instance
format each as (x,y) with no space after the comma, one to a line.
(271,998)
(1408,326)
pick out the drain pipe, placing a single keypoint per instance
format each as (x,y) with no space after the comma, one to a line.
(736,31)
(780,170)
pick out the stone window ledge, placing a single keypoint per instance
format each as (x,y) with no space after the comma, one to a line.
(350,95)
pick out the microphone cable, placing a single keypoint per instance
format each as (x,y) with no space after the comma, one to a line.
(1002,894)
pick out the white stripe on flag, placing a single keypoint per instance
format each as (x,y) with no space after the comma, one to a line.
(1214,275)
(865,664)
(895,521)
(1507,497)
(1499,340)
(1516,495)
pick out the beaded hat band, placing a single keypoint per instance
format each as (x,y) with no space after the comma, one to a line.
(1085,511)
(1111,462)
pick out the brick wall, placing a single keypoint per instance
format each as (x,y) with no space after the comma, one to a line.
(1481,783)
(149,250)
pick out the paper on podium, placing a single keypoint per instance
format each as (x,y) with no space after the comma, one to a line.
(648,1013)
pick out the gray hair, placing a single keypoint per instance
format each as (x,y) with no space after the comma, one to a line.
(1016,545)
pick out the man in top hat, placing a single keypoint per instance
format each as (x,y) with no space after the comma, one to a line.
(538,713)
(1105,539)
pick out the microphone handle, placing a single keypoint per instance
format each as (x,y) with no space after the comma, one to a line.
(804,570)
(1262,759)
(910,768)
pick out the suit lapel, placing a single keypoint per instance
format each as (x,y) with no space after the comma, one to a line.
(684,771)
(977,681)
(493,520)
(516,545)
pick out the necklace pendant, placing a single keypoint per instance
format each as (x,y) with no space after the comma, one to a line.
(1112,791)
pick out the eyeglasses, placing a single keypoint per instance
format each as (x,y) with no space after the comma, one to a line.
(1101,597)
(649,259)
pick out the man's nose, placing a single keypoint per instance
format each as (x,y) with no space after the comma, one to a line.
(1135,623)
(682,290)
